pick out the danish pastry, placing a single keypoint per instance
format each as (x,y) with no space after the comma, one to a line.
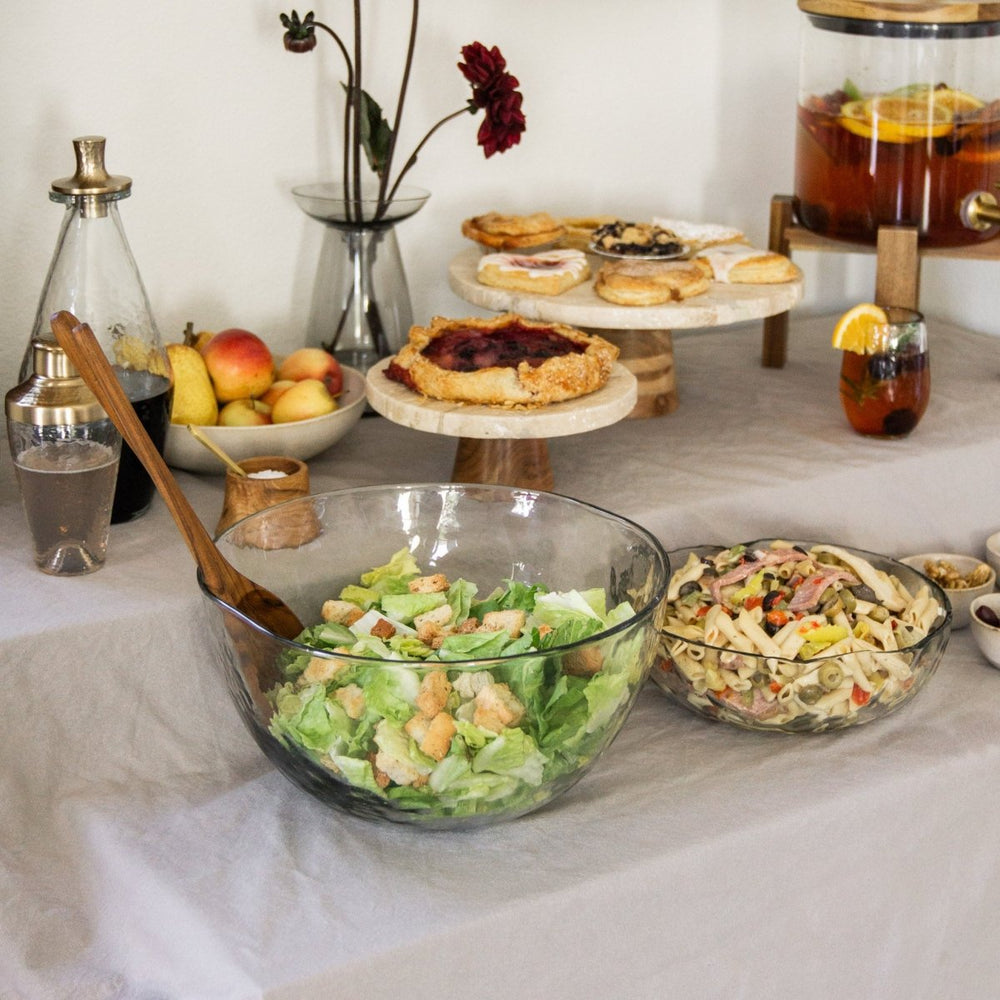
(507,361)
(699,235)
(636,239)
(650,282)
(547,273)
(513,232)
(739,265)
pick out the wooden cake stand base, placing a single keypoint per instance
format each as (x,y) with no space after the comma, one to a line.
(498,446)
(643,334)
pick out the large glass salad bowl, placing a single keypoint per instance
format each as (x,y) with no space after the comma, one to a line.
(783,636)
(469,651)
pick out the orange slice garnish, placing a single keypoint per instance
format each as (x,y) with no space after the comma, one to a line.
(856,329)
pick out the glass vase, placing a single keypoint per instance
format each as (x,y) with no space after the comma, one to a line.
(361,309)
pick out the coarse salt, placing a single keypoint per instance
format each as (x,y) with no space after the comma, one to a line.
(267,474)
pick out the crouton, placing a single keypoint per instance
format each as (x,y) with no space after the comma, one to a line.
(437,741)
(352,699)
(433,693)
(496,621)
(341,612)
(416,727)
(320,669)
(429,626)
(383,629)
(469,625)
(429,584)
(497,708)
(583,662)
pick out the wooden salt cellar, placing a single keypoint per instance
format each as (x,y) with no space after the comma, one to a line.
(288,528)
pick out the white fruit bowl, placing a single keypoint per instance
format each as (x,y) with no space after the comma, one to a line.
(302,439)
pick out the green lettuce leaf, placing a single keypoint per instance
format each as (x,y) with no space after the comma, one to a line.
(405,607)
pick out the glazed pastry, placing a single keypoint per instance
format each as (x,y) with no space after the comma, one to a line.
(507,361)
(636,239)
(736,264)
(699,235)
(650,282)
(547,273)
(513,232)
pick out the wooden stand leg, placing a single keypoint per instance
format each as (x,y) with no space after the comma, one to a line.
(504,462)
(897,273)
(649,356)
(775,345)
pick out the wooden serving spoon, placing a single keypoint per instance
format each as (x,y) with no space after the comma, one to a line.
(220,576)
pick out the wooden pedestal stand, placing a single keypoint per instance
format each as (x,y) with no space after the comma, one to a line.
(497,446)
(643,334)
(897,269)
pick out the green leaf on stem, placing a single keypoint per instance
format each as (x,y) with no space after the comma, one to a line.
(376,134)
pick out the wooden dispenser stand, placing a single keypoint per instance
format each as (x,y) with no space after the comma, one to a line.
(897,275)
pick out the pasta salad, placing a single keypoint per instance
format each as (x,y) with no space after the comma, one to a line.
(777,635)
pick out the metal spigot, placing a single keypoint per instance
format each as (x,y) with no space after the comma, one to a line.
(980,211)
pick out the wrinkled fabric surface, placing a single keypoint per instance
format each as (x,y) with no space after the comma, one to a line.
(148,851)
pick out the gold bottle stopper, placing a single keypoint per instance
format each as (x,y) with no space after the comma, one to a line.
(91,185)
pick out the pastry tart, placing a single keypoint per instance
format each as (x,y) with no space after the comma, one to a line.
(547,273)
(745,265)
(651,283)
(513,232)
(507,361)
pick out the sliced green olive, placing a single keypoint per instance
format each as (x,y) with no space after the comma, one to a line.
(810,694)
(830,676)
(879,613)
(848,599)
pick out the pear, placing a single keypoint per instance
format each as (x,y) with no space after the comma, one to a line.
(194,399)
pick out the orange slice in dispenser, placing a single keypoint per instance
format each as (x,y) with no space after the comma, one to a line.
(855,330)
(855,118)
(957,102)
(897,119)
(903,119)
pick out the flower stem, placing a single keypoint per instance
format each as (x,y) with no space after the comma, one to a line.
(404,84)
(347,116)
(356,100)
(413,156)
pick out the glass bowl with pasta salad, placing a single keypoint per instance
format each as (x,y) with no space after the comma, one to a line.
(782,636)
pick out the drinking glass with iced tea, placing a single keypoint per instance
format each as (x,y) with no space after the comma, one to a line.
(885,375)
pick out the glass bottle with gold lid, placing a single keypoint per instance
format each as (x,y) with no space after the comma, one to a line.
(898,117)
(94,276)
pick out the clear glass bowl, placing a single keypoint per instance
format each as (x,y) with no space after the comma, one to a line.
(731,680)
(575,697)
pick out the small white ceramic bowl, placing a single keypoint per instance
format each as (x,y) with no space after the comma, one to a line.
(987,636)
(301,439)
(961,600)
(993,551)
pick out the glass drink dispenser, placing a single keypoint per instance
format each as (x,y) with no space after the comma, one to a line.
(898,117)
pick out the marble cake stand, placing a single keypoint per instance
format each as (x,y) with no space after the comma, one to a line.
(508,447)
(642,333)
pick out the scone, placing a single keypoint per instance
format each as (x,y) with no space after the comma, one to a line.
(547,273)
(636,239)
(699,235)
(650,282)
(507,361)
(743,265)
(580,229)
(513,232)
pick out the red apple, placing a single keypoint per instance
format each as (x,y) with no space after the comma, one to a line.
(307,398)
(239,364)
(245,413)
(313,362)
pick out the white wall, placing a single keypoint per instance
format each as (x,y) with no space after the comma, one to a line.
(636,107)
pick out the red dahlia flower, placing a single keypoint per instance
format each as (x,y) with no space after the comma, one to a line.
(494,90)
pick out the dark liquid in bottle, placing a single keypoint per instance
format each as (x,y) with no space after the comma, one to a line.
(150,397)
